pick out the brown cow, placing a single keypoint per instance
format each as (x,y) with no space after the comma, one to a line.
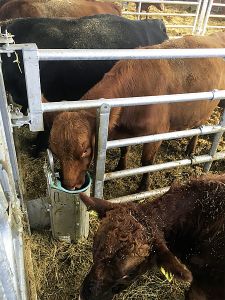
(182,231)
(56,9)
(72,134)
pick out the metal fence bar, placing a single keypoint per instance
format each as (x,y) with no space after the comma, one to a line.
(216,16)
(207,16)
(139,10)
(198,10)
(7,258)
(214,26)
(201,17)
(8,131)
(159,14)
(175,98)
(10,219)
(179,26)
(140,196)
(120,54)
(164,166)
(101,140)
(203,130)
(215,143)
(162,1)
(31,69)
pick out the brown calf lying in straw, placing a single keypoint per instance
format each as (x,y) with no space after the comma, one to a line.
(73,133)
(182,231)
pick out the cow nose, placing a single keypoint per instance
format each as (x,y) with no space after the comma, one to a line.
(70,185)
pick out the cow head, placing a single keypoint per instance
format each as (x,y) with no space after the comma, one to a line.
(124,248)
(72,141)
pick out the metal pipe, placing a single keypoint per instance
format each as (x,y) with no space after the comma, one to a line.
(207,16)
(201,17)
(165,136)
(214,26)
(163,2)
(179,26)
(147,100)
(100,148)
(116,54)
(216,16)
(159,14)
(164,166)
(215,143)
(33,85)
(5,122)
(197,16)
(140,196)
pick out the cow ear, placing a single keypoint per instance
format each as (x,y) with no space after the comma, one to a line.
(99,205)
(171,264)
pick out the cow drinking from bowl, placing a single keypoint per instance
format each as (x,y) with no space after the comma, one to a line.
(73,133)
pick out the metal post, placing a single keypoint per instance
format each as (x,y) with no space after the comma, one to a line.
(139,10)
(31,69)
(209,8)
(10,219)
(197,16)
(8,133)
(215,143)
(100,148)
(202,17)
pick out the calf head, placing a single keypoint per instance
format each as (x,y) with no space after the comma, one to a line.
(72,141)
(124,248)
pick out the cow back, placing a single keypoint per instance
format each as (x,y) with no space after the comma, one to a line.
(71,79)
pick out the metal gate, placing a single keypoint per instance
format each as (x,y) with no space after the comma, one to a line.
(32,55)
(12,275)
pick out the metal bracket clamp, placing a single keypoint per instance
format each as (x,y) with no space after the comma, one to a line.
(32,75)
(17,117)
(6,38)
(51,165)
(214,92)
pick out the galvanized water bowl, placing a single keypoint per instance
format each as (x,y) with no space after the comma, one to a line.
(62,209)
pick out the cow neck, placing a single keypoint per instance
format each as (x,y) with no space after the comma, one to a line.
(163,214)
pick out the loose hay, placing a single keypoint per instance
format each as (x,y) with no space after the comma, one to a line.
(59,268)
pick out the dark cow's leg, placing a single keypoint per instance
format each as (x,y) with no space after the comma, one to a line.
(191,146)
(122,164)
(148,156)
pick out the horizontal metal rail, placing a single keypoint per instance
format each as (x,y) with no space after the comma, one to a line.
(175,98)
(203,130)
(218,4)
(164,166)
(179,26)
(116,54)
(158,14)
(214,26)
(162,2)
(216,16)
(140,196)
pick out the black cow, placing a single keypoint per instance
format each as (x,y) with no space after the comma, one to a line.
(71,79)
